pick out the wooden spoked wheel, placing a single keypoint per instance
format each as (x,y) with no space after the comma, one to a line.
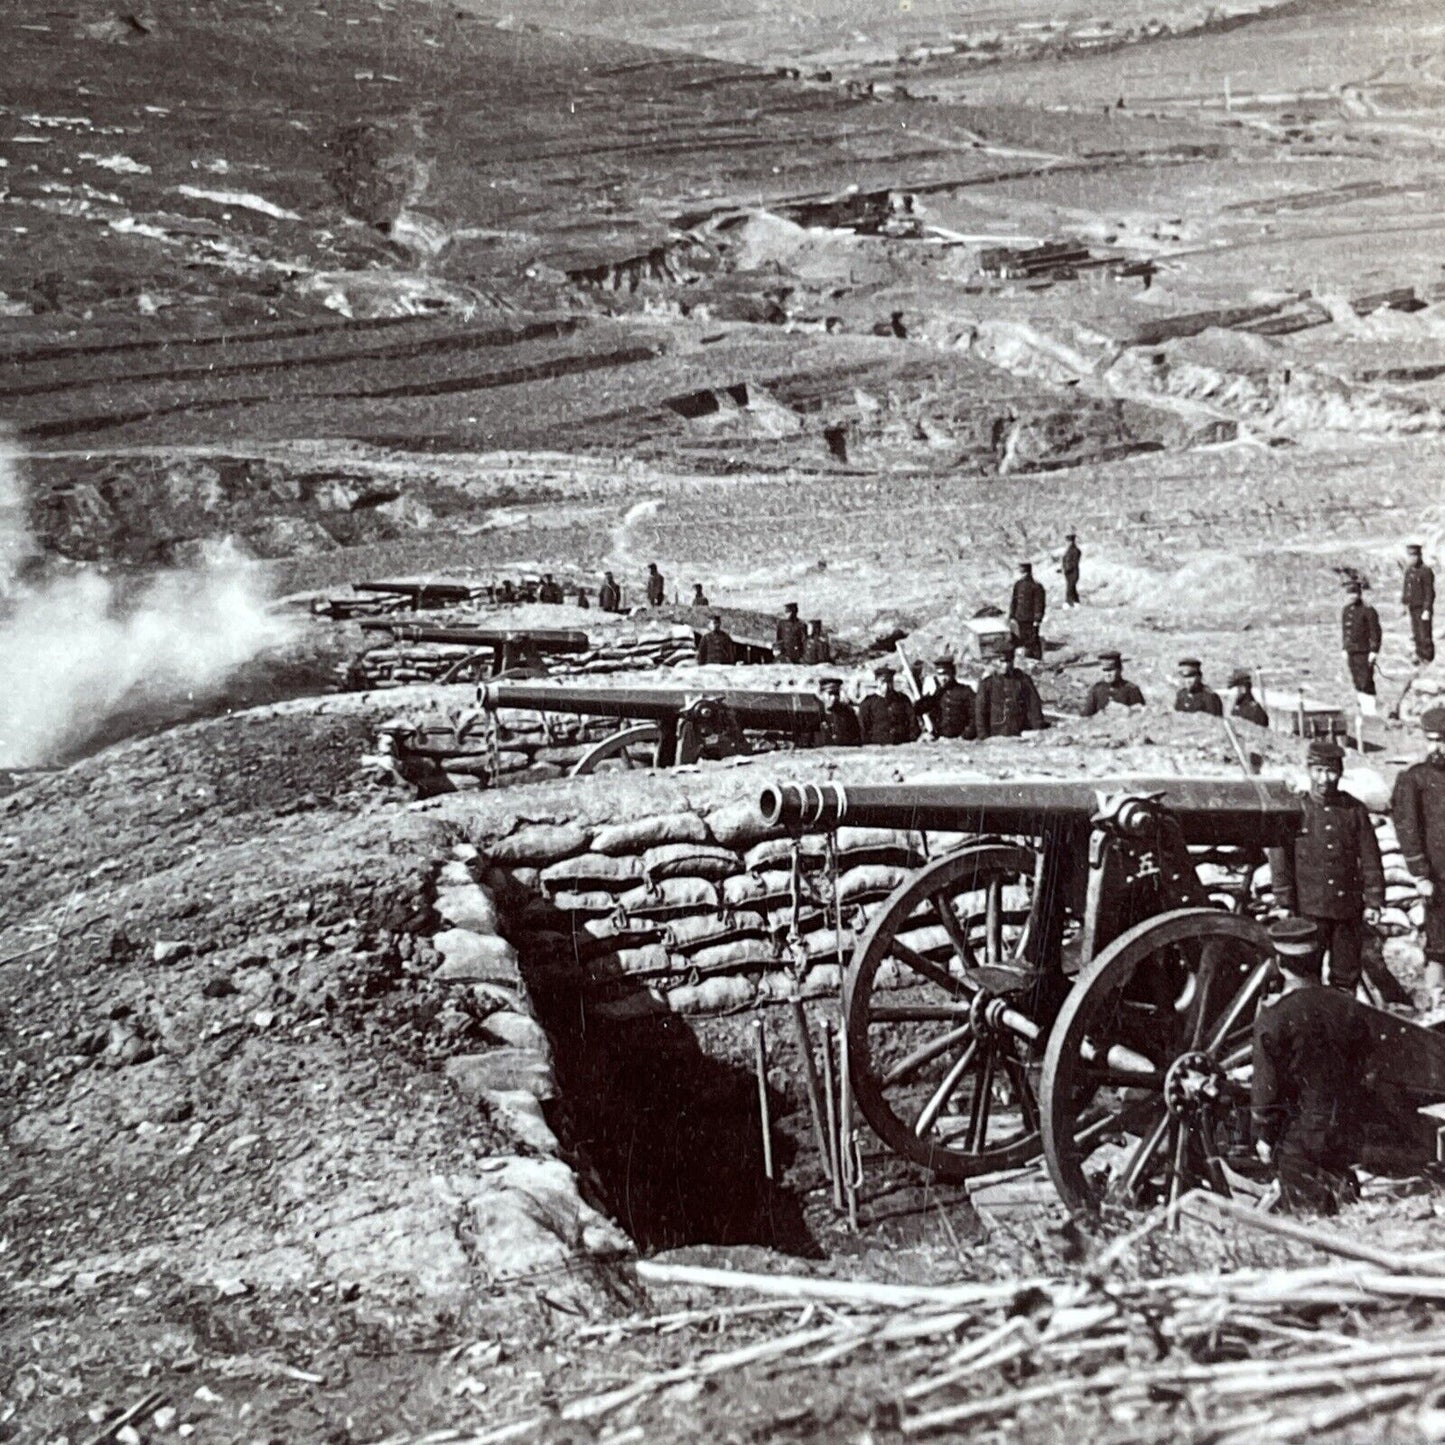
(941,1054)
(627,748)
(1145,1076)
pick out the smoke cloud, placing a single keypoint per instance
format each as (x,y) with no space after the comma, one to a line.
(74,651)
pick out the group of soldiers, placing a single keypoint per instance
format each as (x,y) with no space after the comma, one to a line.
(1360,632)
(1329,887)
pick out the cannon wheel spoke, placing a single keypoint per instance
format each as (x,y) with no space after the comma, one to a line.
(1179,978)
(933,1091)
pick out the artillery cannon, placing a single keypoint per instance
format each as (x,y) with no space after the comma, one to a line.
(493,650)
(672,724)
(1066,983)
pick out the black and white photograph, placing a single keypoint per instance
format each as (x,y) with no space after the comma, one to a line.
(719,722)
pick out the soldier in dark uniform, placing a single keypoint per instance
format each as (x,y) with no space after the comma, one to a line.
(1069,566)
(950,707)
(1331,873)
(549,591)
(1113,688)
(1418,599)
(715,646)
(508,592)
(792,635)
(582,601)
(816,648)
(1026,611)
(1007,703)
(655,586)
(1246,705)
(1360,637)
(609,594)
(838,727)
(1193,696)
(1418,810)
(699,597)
(1309,1048)
(886,716)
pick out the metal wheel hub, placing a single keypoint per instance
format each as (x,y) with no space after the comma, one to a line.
(1194,1082)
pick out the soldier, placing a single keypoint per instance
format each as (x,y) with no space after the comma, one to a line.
(715,646)
(1069,566)
(1007,703)
(582,601)
(1246,705)
(1193,696)
(655,586)
(1113,688)
(508,593)
(1360,637)
(792,635)
(838,727)
(699,597)
(1418,599)
(817,648)
(1418,808)
(1026,611)
(886,716)
(549,591)
(1309,1047)
(609,594)
(1331,873)
(950,707)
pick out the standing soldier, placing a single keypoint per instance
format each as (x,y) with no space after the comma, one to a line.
(655,586)
(549,591)
(886,716)
(1007,703)
(816,649)
(1246,705)
(792,635)
(1360,637)
(1070,568)
(1193,696)
(1113,688)
(699,597)
(1026,611)
(950,707)
(715,646)
(838,727)
(1418,808)
(1330,872)
(1308,1050)
(609,594)
(1418,599)
(582,601)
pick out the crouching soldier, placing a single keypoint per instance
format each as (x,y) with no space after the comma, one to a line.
(1309,1050)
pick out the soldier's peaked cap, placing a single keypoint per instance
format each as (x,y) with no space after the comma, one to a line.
(1026,566)
(1240,678)
(1414,547)
(816,622)
(825,682)
(714,617)
(1433,722)
(1190,664)
(946,662)
(1112,658)
(1296,941)
(885,669)
(1071,536)
(790,607)
(1322,750)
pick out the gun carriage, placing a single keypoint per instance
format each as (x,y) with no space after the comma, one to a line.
(665,726)
(1068,983)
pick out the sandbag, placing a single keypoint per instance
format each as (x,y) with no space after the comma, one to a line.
(593,870)
(809,919)
(671,897)
(539,844)
(646,960)
(740,825)
(819,981)
(744,955)
(703,929)
(623,926)
(762,890)
(690,860)
(656,832)
(712,995)
(778,853)
(871,880)
(593,902)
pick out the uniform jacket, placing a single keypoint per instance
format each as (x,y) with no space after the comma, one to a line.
(817,649)
(887,719)
(716,647)
(1123,692)
(609,597)
(549,592)
(1418,808)
(1251,710)
(1418,593)
(950,710)
(1070,564)
(792,639)
(1027,603)
(1332,869)
(1198,699)
(838,727)
(655,589)
(1007,704)
(1309,1051)
(1360,628)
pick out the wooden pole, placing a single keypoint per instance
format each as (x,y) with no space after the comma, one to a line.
(830,1101)
(765,1118)
(845,1126)
(815,1091)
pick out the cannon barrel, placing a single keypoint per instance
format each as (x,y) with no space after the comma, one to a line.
(1209,810)
(787,712)
(540,639)
(437,591)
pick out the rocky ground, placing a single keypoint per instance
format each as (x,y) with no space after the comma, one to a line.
(359,289)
